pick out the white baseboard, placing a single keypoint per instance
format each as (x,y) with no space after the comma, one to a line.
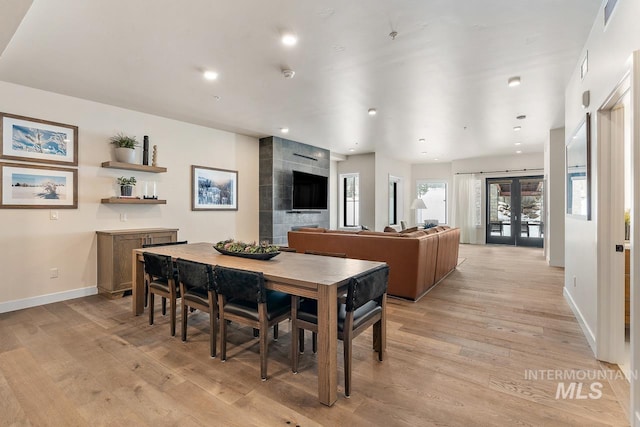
(588,333)
(19,304)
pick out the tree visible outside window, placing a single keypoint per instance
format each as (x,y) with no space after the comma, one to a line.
(434,194)
(351,200)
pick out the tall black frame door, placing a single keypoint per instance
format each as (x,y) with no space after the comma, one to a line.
(515,211)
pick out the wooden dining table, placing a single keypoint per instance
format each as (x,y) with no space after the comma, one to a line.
(308,276)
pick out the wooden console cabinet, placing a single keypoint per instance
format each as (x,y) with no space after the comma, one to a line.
(114,255)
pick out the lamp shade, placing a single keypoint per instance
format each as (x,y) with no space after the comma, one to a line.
(418,204)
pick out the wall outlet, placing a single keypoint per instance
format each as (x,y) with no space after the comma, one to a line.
(123,217)
(53,273)
(53,215)
(575,281)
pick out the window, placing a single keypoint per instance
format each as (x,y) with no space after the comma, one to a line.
(434,194)
(350,200)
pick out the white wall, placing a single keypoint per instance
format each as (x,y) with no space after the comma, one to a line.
(609,50)
(365,165)
(31,244)
(386,166)
(554,166)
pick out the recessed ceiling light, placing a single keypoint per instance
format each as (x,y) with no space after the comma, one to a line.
(435,160)
(424,153)
(521,117)
(519,152)
(284,130)
(210,75)
(517,128)
(514,81)
(372,111)
(422,140)
(289,39)
(517,143)
(352,149)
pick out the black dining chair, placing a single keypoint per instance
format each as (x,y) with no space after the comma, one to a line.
(161,277)
(363,306)
(197,291)
(314,336)
(243,298)
(146,285)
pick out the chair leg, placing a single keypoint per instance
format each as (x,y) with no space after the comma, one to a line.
(264,344)
(294,348)
(183,312)
(172,307)
(314,342)
(212,323)
(151,295)
(146,294)
(347,337)
(223,330)
(301,340)
(275,332)
(164,306)
(347,366)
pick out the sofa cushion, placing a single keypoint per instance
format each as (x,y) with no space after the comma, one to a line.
(408,230)
(312,230)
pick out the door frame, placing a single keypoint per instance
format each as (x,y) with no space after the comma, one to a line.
(516,200)
(608,302)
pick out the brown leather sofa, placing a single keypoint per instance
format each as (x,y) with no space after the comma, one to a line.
(417,259)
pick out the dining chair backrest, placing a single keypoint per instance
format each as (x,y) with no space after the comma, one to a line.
(195,275)
(241,284)
(153,245)
(158,265)
(366,287)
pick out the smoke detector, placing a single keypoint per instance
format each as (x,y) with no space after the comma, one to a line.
(288,74)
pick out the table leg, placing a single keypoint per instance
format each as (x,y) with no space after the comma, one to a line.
(327,345)
(137,285)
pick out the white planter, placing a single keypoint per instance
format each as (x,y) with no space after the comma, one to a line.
(126,155)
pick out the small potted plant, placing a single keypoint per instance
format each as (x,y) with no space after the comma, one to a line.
(125,147)
(126,186)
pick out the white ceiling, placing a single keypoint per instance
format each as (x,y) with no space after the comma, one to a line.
(443,78)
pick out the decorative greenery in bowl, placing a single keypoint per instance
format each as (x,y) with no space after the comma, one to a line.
(231,245)
(121,140)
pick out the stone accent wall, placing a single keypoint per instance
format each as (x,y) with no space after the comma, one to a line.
(278,159)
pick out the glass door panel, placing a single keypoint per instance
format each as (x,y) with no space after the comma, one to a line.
(531,212)
(499,211)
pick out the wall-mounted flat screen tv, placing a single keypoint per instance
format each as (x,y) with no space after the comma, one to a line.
(309,191)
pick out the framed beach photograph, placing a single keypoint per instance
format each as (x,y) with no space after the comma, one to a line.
(37,187)
(213,189)
(40,141)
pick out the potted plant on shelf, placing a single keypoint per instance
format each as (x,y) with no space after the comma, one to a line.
(126,186)
(125,147)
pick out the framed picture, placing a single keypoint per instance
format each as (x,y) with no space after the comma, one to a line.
(578,171)
(37,187)
(213,189)
(40,141)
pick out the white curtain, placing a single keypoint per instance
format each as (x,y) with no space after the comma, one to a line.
(466,207)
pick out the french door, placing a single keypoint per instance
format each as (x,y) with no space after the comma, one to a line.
(515,211)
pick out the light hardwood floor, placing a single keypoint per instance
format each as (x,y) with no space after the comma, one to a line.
(456,358)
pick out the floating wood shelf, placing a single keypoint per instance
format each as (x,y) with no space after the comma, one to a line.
(127,201)
(133,167)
